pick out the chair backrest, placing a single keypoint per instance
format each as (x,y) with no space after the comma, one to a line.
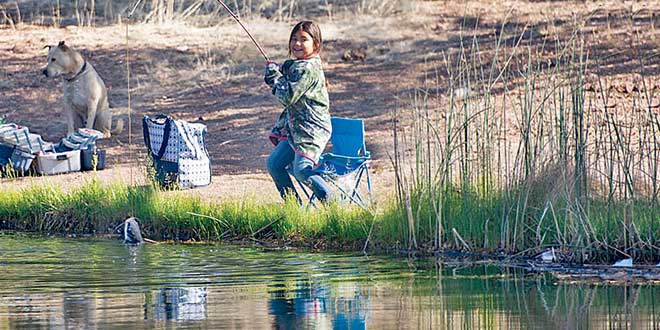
(348,137)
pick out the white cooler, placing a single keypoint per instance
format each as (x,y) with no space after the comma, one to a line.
(60,162)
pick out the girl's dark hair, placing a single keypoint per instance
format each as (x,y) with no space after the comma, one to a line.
(312,29)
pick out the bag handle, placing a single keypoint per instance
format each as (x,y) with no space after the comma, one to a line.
(166,134)
(188,139)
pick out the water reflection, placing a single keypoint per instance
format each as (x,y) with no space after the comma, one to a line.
(76,284)
(179,304)
(313,305)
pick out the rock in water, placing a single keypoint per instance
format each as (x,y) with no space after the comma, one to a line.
(132,234)
(624,263)
(547,255)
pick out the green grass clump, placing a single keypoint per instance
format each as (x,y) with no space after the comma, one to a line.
(95,208)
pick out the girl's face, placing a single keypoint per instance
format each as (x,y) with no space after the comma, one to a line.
(302,45)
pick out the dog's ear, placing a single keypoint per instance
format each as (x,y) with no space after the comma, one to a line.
(48,46)
(62,46)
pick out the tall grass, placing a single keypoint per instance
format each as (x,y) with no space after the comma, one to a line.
(523,142)
(95,208)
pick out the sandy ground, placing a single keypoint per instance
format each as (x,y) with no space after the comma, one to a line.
(256,186)
(213,75)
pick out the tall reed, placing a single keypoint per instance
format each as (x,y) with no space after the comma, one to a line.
(529,144)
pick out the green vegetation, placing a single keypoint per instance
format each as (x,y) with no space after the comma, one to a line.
(527,142)
(95,208)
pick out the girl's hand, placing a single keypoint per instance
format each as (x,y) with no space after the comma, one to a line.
(272,65)
(272,72)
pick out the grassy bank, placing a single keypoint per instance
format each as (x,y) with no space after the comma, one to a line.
(528,139)
(95,208)
(507,223)
(470,222)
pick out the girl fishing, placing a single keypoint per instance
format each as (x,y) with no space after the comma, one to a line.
(303,129)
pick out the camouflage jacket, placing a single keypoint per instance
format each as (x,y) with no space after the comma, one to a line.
(305,122)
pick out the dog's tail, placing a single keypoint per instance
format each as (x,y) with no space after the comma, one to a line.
(118,115)
(118,126)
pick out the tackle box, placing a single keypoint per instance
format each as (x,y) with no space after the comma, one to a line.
(58,162)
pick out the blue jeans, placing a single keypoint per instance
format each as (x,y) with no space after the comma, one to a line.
(303,170)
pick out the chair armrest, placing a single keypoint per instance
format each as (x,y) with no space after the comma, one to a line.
(332,164)
(328,156)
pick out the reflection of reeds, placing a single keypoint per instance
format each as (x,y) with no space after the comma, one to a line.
(519,156)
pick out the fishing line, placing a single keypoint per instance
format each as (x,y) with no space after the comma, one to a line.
(128,70)
(244,28)
(128,93)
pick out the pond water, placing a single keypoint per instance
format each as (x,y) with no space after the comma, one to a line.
(100,283)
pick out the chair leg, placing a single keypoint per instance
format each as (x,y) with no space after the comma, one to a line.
(355,194)
(311,197)
(302,187)
(350,197)
(363,170)
(371,197)
(357,183)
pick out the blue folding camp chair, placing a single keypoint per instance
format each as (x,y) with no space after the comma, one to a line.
(348,161)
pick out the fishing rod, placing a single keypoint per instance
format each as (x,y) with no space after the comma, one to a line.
(244,28)
(137,3)
(231,13)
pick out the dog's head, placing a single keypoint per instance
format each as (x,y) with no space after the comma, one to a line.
(61,60)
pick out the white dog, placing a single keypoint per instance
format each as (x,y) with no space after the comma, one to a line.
(85,94)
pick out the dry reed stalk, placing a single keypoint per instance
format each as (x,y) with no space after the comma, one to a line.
(7,18)
(18,12)
(92,13)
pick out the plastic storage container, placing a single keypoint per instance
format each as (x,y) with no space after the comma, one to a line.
(20,136)
(60,162)
(5,154)
(87,158)
(12,158)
